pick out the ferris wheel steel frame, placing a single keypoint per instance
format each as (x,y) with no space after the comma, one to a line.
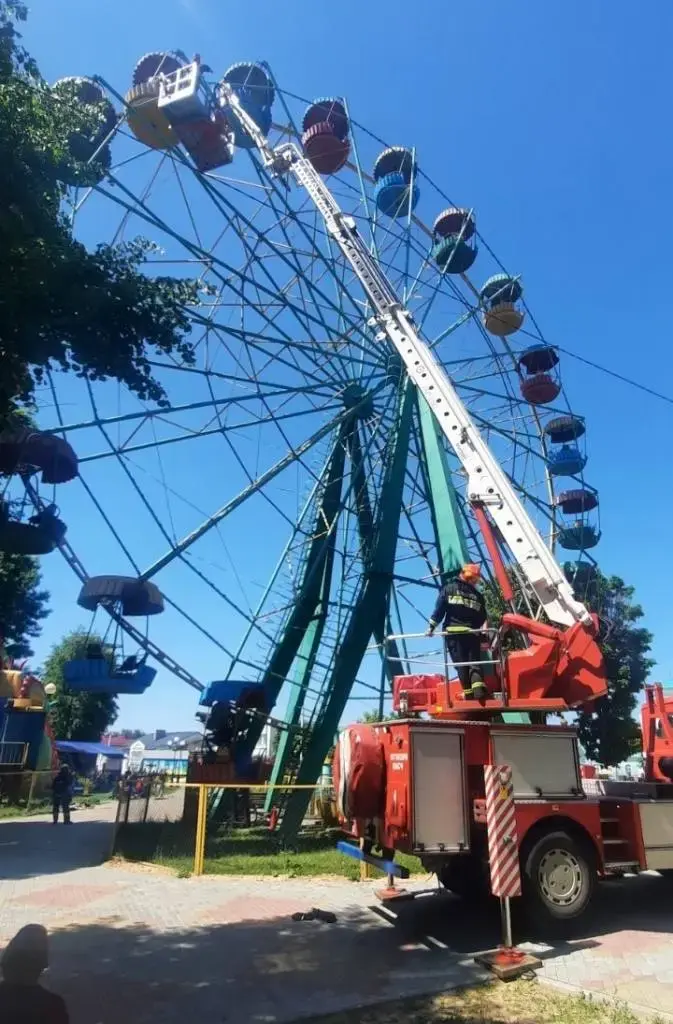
(414,437)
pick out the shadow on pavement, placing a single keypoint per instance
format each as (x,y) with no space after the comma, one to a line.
(269,971)
(278,970)
(31,847)
(634,904)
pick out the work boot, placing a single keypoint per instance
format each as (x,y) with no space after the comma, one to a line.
(477,690)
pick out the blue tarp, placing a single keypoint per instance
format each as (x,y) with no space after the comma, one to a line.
(73,747)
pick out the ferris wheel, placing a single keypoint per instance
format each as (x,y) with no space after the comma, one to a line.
(295,503)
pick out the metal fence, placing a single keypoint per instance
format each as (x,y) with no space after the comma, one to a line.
(13,754)
(23,789)
(149,799)
(186,823)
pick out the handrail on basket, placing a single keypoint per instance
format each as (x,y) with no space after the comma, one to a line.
(440,632)
(429,667)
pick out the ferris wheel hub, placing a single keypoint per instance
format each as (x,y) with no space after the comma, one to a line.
(354,396)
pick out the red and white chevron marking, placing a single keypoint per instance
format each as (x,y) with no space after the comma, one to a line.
(503,846)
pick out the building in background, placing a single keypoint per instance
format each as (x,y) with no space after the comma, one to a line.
(111,762)
(163,751)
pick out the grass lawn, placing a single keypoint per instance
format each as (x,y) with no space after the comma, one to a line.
(21,811)
(43,806)
(517,1002)
(254,851)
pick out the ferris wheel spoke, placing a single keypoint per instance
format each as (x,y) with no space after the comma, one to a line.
(265,477)
(324,322)
(272,418)
(352,494)
(144,213)
(161,413)
(188,208)
(269,242)
(329,267)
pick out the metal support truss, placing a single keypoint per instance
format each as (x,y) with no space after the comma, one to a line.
(368,615)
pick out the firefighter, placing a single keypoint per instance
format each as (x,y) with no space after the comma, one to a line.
(463,611)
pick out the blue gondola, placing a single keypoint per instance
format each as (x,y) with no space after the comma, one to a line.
(452,232)
(253,79)
(579,537)
(255,92)
(229,690)
(104,667)
(97,675)
(581,574)
(567,461)
(395,175)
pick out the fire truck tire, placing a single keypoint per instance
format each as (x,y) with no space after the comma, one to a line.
(559,879)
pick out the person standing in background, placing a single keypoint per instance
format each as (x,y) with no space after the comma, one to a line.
(61,790)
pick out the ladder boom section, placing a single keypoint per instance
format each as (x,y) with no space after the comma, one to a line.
(488,486)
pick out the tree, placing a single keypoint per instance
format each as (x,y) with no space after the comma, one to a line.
(608,731)
(76,716)
(94,313)
(371,717)
(23,604)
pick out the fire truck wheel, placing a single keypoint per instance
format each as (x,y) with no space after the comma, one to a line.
(559,878)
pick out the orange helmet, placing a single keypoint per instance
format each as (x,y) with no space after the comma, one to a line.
(471,571)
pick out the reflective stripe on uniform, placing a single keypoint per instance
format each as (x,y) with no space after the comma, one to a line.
(467,602)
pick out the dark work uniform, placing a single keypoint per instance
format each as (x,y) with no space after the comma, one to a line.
(461,604)
(61,793)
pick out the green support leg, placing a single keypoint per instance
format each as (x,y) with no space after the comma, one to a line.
(452,550)
(317,576)
(308,651)
(367,616)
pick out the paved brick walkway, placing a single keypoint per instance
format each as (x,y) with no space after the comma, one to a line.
(139,946)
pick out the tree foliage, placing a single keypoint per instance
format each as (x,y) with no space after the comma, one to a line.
(608,731)
(23,603)
(371,717)
(94,313)
(76,716)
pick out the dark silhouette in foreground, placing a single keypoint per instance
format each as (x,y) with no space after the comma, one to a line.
(22,998)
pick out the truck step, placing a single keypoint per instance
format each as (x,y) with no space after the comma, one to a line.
(609,821)
(621,866)
(614,842)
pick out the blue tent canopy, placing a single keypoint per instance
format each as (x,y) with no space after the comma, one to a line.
(72,747)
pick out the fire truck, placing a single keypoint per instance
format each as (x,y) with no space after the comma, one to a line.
(416,784)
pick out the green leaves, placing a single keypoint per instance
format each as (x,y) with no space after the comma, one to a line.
(93,313)
(607,731)
(23,604)
(76,716)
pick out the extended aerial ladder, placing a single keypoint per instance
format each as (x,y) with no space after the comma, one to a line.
(562,666)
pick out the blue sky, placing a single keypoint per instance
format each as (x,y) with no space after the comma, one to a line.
(551,120)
